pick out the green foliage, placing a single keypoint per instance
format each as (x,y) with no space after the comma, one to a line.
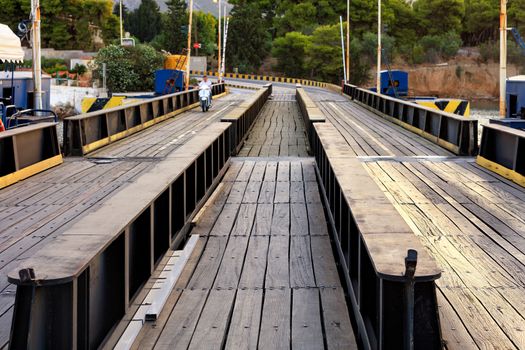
(67,24)
(440,16)
(248,38)
(204,31)
(79,69)
(445,45)
(173,37)
(290,51)
(128,68)
(145,21)
(324,54)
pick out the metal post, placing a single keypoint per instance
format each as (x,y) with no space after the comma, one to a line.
(347,40)
(37,63)
(343,47)
(188,57)
(227,22)
(410,271)
(121,24)
(503,58)
(378,83)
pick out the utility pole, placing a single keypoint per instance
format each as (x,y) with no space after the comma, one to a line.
(121,24)
(503,58)
(37,57)
(188,57)
(378,84)
(347,41)
(343,47)
(223,68)
(219,57)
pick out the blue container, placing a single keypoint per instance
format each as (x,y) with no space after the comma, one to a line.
(168,81)
(399,81)
(516,97)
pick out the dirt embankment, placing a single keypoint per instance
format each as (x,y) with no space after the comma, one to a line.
(462,78)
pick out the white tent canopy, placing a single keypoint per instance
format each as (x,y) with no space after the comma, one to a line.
(10,46)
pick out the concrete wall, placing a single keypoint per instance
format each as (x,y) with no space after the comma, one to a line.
(198,63)
(63,54)
(73,95)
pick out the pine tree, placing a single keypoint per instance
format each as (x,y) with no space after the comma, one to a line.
(174,27)
(145,21)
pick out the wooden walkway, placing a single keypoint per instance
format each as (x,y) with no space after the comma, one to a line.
(35,211)
(263,274)
(471,220)
(278,131)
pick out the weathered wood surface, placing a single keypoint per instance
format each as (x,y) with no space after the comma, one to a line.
(278,131)
(259,285)
(470,220)
(37,210)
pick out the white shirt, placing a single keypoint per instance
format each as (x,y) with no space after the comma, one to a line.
(204,84)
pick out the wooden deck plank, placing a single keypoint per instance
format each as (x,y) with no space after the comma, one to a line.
(301,265)
(254,270)
(307,332)
(212,327)
(276,320)
(277,270)
(244,328)
(338,329)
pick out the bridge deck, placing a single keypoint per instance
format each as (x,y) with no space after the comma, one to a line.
(38,209)
(279,131)
(471,220)
(263,274)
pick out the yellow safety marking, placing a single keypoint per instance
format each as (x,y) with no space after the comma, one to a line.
(115,101)
(467,110)
(429,104)
(118,136)
(452,106)
(87,102)
(501,170)
(29,171)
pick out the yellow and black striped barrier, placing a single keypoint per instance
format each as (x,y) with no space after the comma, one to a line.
(454,106)
(94,104)
(286,80)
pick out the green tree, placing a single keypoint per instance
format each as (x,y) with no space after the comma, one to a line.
(128,68)
(204,31)
(173,37)
(440,16)
(145,21)
(248,38)
(290,51)
(324,54)
(481,21)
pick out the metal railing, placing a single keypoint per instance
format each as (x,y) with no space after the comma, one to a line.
(72,293)
(243,117)
(28,150)
(87,132)
(455,133)
(389,276)
(503,151)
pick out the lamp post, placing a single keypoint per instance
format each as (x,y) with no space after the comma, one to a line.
(188,54)
(121,25)
(378,83)
(37,58)
(219,40)
(347,40)
(503,58)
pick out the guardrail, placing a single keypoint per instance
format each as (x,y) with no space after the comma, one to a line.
(243,116)
(73,291)
(503,151)
(87,132)
(457,134)
(389,275)
(268,78)
(26,151)
(309,110)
